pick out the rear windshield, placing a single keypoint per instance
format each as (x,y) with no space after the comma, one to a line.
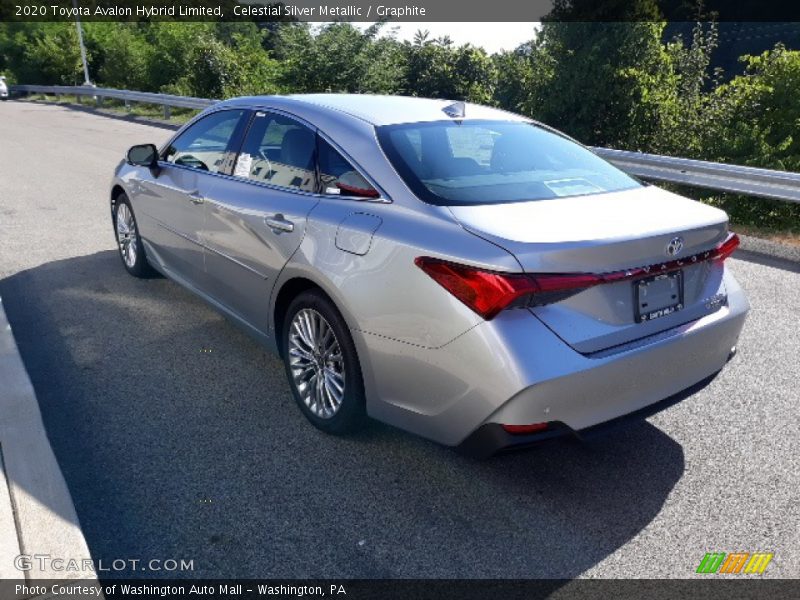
(488,162)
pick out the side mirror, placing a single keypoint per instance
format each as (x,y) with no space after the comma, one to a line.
(144,155)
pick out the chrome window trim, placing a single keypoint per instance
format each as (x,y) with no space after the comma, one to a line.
(276,188)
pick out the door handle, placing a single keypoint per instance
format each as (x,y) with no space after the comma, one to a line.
(196,197)
(279,224)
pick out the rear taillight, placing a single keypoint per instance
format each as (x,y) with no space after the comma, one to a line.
(485,292)
(489,292)
(726,248)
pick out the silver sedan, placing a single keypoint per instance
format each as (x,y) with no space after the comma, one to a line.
(461,272)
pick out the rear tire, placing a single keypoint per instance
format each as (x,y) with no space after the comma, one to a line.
(129,242)
(322,365)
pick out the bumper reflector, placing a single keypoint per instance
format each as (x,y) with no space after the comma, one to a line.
(525,429)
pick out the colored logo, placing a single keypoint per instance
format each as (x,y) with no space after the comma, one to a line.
(736,562)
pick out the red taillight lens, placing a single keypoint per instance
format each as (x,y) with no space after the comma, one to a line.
(525,429)
(726,248)
(485,292)
(489,292)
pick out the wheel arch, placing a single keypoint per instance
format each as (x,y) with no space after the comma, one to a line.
(289,290)
(116,192)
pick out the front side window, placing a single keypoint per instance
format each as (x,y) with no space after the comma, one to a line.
(490,162)
(279,151)
(204,145)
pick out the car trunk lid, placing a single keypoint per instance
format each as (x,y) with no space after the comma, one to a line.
(607,233)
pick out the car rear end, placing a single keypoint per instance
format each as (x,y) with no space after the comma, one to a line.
(3,90)
(621,303)
(561,390)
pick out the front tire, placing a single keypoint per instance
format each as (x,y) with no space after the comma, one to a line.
(322,365)
(129,243)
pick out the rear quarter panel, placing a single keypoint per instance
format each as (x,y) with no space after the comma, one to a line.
(383,292)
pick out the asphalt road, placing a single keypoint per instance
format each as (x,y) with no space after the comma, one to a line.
(178,437)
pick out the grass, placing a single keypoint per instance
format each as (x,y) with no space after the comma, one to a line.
(141,110)
(776,220)
(788,238)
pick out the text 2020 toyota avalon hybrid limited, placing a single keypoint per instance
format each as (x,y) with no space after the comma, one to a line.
(457,271)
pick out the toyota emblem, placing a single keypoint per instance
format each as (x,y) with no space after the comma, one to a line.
(675,246)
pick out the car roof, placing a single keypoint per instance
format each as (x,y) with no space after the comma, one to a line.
(384,110)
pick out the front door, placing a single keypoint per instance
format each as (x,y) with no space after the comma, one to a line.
(173,203)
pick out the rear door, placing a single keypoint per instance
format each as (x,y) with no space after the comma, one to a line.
(256,219)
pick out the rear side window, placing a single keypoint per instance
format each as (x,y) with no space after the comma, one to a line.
(203,146)
(339,177)
(489,162)
(279,151)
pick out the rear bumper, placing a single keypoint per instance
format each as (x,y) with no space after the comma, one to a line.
(490,438)
(514,370)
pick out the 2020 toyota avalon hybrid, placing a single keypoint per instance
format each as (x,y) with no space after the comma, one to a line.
(458,271)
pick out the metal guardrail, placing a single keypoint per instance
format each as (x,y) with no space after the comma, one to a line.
(748,181)
(735,179)
(166,100)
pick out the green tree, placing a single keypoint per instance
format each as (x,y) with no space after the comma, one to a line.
(755,120)
(436,68)
(384,63)
(757,116)
(689,106)
(44,53)
(175,46)
(603,83)
(515,77)
(121,55)
(340,58)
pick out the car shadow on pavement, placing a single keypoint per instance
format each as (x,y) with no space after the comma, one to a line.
(179,439)
(768,260)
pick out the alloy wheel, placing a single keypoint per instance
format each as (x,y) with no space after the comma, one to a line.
(316,363)
(126,235)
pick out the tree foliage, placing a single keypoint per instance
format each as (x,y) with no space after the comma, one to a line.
(619,84)
(46,52)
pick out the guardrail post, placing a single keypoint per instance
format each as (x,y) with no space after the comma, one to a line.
(127,106)
(98,101)
(167,112)
(78,99)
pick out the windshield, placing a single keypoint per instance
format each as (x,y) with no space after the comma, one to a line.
(488,162)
